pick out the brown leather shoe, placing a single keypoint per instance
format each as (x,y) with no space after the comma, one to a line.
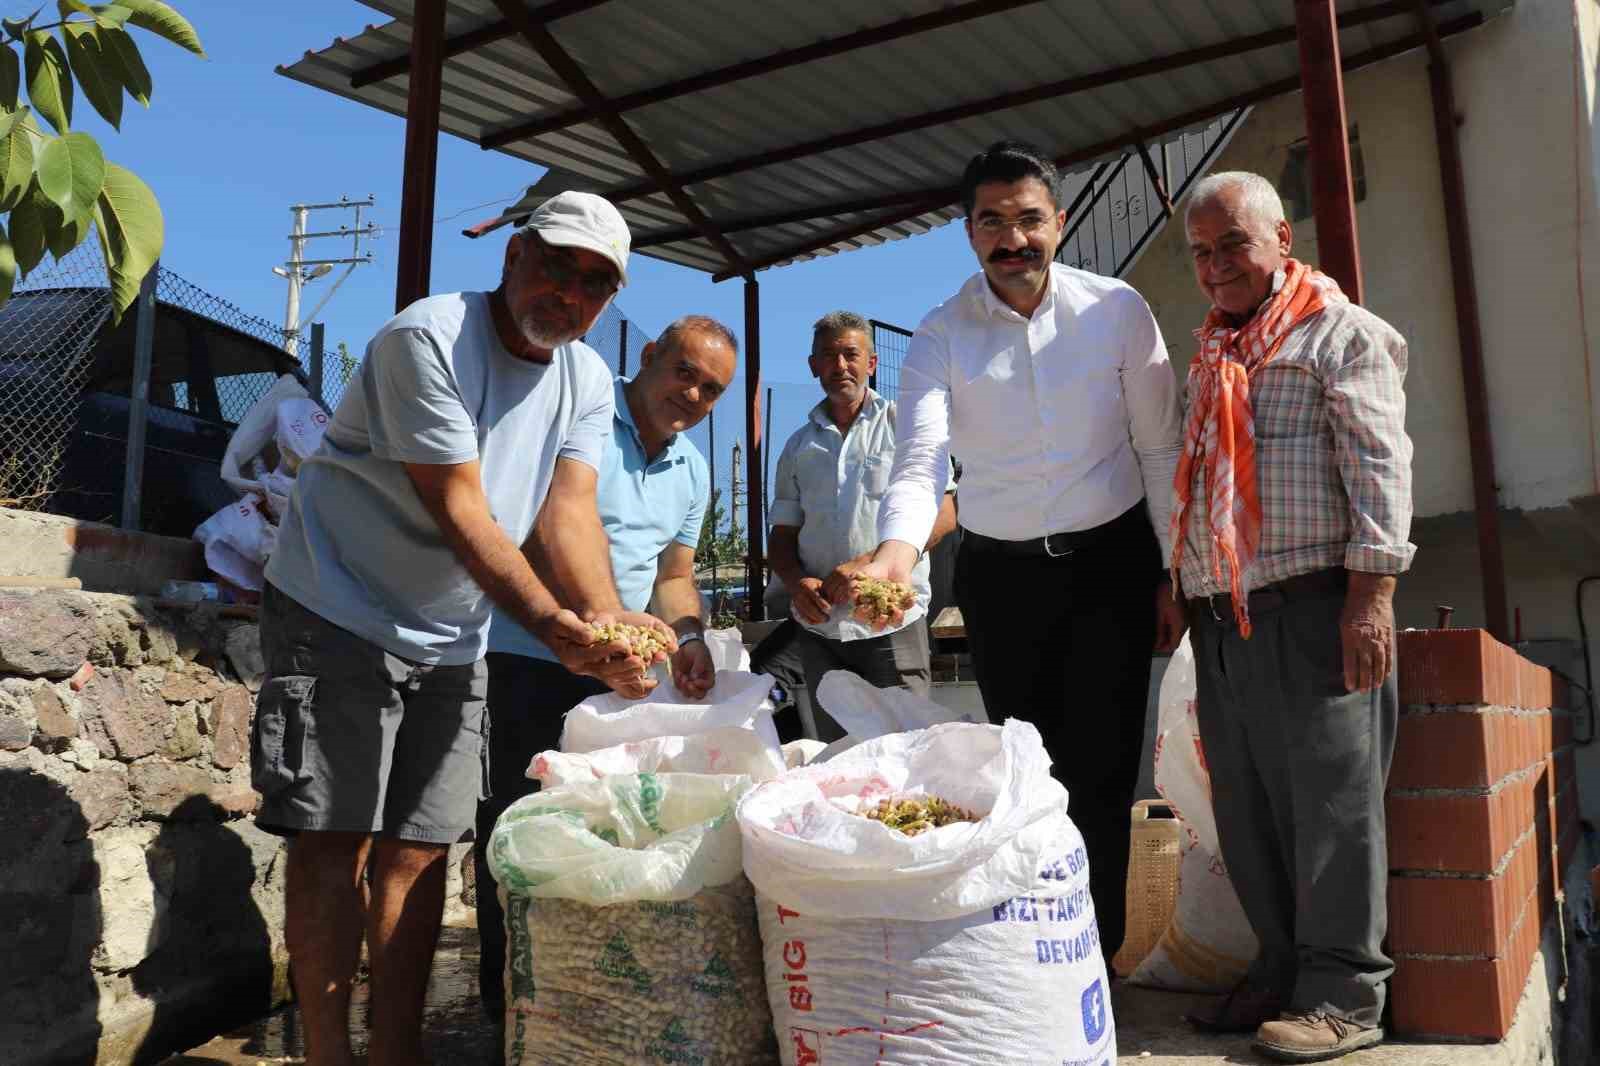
(1312,1036)
(1243,1011)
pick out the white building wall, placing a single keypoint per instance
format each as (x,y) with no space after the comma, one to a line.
(1530,159)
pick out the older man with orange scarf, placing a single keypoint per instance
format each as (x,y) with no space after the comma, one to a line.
(1291,520)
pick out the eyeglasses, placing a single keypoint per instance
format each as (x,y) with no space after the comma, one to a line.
(562,270)
(993,226)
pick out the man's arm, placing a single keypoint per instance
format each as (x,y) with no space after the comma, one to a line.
(453,495)
(677,602)
(921,458)
(568,545)
(944,523)
(805,591)
(1155,416)
(1367,409)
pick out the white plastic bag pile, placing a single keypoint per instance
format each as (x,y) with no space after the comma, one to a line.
(631,933)
(971,943)
(1209,944)
(275,436)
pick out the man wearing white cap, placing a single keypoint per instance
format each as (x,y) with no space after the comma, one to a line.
(415,515)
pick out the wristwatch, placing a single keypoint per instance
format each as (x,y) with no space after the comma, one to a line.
(692,635)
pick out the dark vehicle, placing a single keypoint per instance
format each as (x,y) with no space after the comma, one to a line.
(59,349)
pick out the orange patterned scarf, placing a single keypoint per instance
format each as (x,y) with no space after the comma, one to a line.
(1221,429)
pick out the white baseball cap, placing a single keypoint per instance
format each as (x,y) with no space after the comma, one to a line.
(584,220)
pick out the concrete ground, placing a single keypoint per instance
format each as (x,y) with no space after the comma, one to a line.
(1150,1029)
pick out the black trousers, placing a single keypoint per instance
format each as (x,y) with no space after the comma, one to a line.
(527,700)
(1065,643)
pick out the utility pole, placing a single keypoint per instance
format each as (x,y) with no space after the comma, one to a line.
(299,270)
(735,492)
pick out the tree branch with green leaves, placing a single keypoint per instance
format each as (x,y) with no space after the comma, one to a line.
(56,187)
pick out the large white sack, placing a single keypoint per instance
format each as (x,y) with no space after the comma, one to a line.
(1209,943)
(866,711)
(238,540)
(728,750)
(631,933)
(973,943)
(255,431)
(739,699)
(300,423)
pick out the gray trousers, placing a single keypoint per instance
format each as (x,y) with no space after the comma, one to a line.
(1298,770)
(899,658)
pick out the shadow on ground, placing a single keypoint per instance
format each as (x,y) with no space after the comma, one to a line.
(454,1030)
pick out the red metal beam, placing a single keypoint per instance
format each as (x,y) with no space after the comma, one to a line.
(421,166)
(569,71)
(755,561)
(1480,438)
(658,237)
(825,49)
(1003,101)
(1332,190)
(943,196)
(472,39)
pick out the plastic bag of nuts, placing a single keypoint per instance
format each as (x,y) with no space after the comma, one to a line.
(631,932)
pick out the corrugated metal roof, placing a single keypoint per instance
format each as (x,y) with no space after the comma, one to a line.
(628,46)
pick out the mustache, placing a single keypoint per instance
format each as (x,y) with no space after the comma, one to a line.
(1026,255)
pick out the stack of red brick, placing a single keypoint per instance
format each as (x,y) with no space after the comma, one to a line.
(1483,819)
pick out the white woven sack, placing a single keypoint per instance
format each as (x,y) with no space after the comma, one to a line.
(739,699)
(973,943)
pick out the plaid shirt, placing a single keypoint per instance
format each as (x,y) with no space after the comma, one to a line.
(1333,461)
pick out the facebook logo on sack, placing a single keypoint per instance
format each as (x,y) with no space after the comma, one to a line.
(1094,1012)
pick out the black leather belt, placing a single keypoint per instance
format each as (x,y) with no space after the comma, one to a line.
(1332,581)
(1057,545)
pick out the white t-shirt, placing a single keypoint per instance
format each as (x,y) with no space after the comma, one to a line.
(436,387)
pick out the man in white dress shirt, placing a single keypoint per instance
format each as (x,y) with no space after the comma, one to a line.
(1053,386)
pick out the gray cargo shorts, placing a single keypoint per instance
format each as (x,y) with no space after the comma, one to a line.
(350,738)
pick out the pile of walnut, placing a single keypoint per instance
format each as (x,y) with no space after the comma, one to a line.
(641,640)
(918,814)
(880,601)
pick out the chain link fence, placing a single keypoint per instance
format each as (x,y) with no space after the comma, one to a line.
(67,378)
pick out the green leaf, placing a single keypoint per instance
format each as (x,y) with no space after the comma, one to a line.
(128,220)
(10,77)
(72,171)
(49,80)
(8,266)
(9,119)
(100,75)
(163,21)
(63,238)
(119,49)
(16,28)
(68,7)
(112,16)
(16,168)
(30,229)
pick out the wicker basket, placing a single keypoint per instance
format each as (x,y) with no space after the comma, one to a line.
(1152,881)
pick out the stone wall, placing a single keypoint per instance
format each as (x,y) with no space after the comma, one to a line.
(139,904)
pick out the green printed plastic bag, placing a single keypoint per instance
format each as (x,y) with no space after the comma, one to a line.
(631,930)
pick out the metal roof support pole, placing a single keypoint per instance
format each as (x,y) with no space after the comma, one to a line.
(1480,440)
(755,584)
(422,153)
(314,367)
(1332,191)
(144,342)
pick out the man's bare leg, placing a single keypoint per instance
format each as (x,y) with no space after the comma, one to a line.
(322,927)
(402,931)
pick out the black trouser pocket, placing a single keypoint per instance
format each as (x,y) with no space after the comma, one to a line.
(278,737)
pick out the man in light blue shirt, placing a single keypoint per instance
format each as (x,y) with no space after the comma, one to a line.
(653,491)
(472,413)
(832,476)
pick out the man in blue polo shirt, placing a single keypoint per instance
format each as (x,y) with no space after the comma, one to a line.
(653,492)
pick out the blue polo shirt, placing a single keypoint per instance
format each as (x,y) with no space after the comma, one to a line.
(644,507)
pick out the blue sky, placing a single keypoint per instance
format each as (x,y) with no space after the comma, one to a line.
(228,145)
